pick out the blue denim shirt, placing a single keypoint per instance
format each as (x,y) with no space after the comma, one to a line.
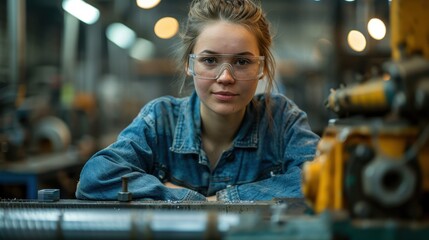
(163,143)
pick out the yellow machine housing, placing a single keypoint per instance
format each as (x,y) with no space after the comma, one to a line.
(375,162)
(370,170)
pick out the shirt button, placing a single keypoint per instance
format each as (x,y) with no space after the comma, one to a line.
(161,174)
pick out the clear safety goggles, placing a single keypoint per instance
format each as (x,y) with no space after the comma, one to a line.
(241,67)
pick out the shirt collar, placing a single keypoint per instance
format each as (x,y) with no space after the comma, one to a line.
(187,137)
(248,136)
(188,129)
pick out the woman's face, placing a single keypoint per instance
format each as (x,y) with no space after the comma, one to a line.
(225,95)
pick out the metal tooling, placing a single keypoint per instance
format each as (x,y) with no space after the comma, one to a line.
(279,219)
(295,205)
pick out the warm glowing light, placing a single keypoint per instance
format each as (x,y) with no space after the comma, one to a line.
(386,77)
(81,10)
(166,27)
(356,40)
(376,28)
(121,35)
(147,4)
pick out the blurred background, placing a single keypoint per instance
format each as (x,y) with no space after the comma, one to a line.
(74,73)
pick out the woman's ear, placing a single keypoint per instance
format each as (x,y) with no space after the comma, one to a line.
(188,71)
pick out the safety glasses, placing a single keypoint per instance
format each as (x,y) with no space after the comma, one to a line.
(211,66)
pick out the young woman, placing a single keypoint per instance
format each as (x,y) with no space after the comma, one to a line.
(221,143)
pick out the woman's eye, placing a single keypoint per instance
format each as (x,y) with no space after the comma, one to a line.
(209,60)
(243,61)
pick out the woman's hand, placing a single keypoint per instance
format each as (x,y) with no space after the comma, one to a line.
(211,198)
(171,185)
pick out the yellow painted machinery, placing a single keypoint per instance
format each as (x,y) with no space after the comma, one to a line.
(373,161)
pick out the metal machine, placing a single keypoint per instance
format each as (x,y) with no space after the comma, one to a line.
(145,219)
(373,162)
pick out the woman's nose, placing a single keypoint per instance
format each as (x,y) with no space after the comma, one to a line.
(226,76)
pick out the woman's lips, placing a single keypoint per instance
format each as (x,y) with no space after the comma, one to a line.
(224,96)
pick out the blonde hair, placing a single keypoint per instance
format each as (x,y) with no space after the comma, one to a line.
(246,13)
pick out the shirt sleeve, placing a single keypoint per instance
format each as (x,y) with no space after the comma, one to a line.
(130,156)
(287,185)
(299,144)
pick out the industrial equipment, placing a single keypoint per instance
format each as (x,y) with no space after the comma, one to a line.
(146,219)
(143,219)
(373,162)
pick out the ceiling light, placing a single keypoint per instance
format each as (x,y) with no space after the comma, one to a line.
(147,4)
(166,27)
(376,28)
(81,10)
(356,40)
(121,35)
(142,49)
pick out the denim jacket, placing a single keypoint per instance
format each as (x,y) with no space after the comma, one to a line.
(163,144)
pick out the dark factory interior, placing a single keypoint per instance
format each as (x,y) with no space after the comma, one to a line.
(70,83)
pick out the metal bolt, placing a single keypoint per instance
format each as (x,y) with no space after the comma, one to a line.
(124,195)
(124,184)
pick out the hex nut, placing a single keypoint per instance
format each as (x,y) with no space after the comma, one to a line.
(125,196)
